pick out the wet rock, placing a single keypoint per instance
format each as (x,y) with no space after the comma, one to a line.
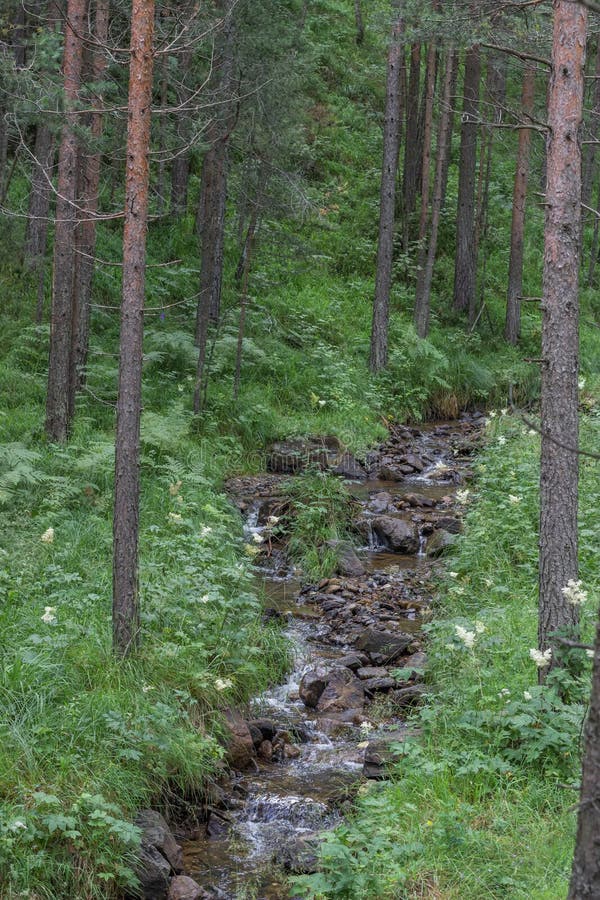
(410,696)
(290,751)
(256,734)
(298,857)
(380,755)
(440,542)
(398,534)
(153,873)
(381,503)
(267,728)
(348,563)
(378,685)
(239,743)
(391,473)
(450,524)
(416,464)
(184,888)
(352,661)
(372,672)
(312,686)
(157,834)
(288,457)
(265,751)
(416,500)
(343,692)
(383,644)
(348,467)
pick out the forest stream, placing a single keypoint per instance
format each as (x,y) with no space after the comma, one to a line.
(316,738)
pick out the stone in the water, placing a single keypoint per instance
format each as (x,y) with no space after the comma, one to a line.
(372,672)
(343,692)
(439,542)
(265,751)
(153,873)
(239,743)
(312,686)
(398,534)
(348,563)
(352,661)
(184,888)
(449,523)
(384,644)
(156,833)
(267,728)
(391,473)
(378,685)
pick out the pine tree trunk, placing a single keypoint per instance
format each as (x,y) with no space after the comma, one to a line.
(360,25)
(126,620)
(391,152)
(448,157)
(512,331)
(36,230)
(426,170)
(423,295)
(411,157)
(61,326)
(595,244)
(180,170)
(465,273)
(90,186)
(560,326)
(590,149)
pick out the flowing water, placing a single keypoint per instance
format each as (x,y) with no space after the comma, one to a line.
(276,808)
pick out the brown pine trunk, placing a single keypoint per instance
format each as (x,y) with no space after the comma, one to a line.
(411,157)
(423,295)
(391,152)
(512,331)
(36,232)
(426,170)
(126,619)
(560,326)
(360,25)
(448,157)
(86,235)
(58,418)
(595,245)
(465,273)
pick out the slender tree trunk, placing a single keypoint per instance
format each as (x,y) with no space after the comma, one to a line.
(360,25)
(448,157)
(423,295)
(127,447)
(180,170)
(19,36)
(560,326)
(411,157)
(465,274)
(512,331)
(590,149)
(59,366)
(162,138)
(86,236)
(391,152)
(244,300)
(595,244)
(36,232)
(426,169)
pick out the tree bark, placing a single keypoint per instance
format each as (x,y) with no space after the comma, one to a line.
(180,170)
(423,295)
(560,326)
(89,189)
(58,418)
(595,244)
(426,168)
(36,230)
(465,273)
(391,152)
(127,447)
(411,157)
(448,157)
(360,25)
(590,150)
(512,331)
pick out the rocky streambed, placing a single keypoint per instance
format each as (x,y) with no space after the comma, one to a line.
(300,754)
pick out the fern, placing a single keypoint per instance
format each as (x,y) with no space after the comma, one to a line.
(17,464)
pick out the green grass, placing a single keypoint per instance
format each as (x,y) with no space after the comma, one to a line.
(478,806)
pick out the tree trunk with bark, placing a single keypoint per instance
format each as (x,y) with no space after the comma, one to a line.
(590,150)
(560,327)
(89,189)
(465,273)
(424,281)
(360,25)
(512,331)
(391,152)
(127,447)
(36,230)
(426,170)
(411,157)
(180,170)
(58,417)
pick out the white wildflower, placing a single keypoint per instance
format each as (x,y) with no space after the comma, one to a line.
(504,411)
(462,497)
(205,531)
(146,688)
(273,520)
(492,414)
(504,693)
(532,432)
(175,488)
(251,549)
(581,384)
(527,695)
(222,684)
(502,440)
(590,654)
(204,599)
(257,538)
(574,593)
(49,618)
(542,660)
(322,402)
(48,536)
(514,499)
(365,729)
(467,637)
(479,627)
(18,825)
(450,647)
(174,517)
(453,574)
(488,582)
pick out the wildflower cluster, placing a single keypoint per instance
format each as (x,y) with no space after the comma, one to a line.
(574,593)
(541,659)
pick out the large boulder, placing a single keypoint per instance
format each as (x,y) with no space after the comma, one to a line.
(398,534)
(159,856)
(383,644)
(348,563)
(343,692)
(439,542)
(312,685)
(239,742)
(184,888)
